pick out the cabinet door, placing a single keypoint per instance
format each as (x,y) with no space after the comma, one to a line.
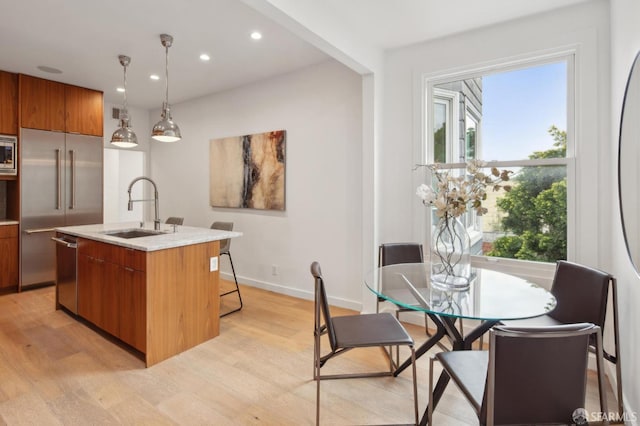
(8,103)
(133,305)
(89,296)
(8,262)
(41,104)
(84,111)
(110,288)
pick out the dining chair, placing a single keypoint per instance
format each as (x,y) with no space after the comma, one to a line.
(582,293)
(529,375)
(174,220)
(354,331)
(225,246)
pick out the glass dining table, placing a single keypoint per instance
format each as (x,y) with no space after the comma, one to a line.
(492,297)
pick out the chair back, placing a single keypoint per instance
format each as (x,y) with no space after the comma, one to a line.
(321,307)
(225,244)
(394,253)
(536,375)
(581,293)
(174,220)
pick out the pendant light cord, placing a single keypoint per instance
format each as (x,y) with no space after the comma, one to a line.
(166,80)
(125,90)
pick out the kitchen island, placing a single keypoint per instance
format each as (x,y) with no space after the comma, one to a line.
(156,291)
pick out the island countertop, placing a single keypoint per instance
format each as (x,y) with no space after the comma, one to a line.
(183,236)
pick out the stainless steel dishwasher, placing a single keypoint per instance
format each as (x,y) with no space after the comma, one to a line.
(66,272)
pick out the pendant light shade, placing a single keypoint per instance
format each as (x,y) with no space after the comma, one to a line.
(166,130)
(124,136)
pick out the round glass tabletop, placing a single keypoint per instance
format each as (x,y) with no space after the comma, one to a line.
(491,296)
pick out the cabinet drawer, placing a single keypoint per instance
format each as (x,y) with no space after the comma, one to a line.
(8,231)
(123,256)
(134,259)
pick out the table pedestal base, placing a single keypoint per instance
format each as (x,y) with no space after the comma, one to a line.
(445,327)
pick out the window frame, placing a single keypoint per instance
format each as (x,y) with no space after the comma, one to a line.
(569,161)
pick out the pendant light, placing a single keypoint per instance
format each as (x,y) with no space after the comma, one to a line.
(124,137)
(166,130)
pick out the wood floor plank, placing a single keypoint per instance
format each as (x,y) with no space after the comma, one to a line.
(56,370)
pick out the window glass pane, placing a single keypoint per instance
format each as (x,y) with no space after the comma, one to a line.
(518,109)
(440,132)
(470,137)
(530,221)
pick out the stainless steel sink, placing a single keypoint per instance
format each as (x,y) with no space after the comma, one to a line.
(133,233)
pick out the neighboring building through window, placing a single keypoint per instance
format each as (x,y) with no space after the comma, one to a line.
(517,119)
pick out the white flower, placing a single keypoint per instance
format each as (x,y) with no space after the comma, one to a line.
(425,192)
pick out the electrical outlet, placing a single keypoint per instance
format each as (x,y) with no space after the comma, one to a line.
(274,269)
(213,263)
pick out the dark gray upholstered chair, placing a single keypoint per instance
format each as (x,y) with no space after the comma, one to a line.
(582,294)
(528,376)
(354,331)
(225,245)
(174,220)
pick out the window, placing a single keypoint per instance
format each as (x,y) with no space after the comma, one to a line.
(513,118)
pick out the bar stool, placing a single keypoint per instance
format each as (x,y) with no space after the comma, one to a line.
(174,220)
(225,245)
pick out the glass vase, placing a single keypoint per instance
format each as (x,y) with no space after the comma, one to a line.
(450,255)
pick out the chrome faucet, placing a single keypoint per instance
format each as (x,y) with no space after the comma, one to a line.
(156,222)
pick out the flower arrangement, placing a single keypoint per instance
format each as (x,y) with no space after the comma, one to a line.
(454,194)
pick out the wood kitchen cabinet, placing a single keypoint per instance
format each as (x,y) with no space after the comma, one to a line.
(9,257)
(49,105)
(160,302)
(41,104)
(83,111)
(111,293)
(8,103)
(133,308)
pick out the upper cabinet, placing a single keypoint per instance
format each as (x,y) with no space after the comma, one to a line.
(8,103)
(49,105)
(84,111)
(41,104)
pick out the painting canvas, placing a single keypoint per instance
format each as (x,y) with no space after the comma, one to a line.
(248,171)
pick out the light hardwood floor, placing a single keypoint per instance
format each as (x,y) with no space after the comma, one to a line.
(56,371)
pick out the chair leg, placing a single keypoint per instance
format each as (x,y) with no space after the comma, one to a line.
(600,371)
(237,289)
(415,385)
(430,406)
(616,342)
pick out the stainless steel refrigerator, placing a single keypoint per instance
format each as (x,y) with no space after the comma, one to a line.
(60,185)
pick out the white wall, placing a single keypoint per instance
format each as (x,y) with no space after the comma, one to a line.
(121,165)
(320,108)
(625,43)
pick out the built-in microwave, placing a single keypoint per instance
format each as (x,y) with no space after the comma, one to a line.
(8,155)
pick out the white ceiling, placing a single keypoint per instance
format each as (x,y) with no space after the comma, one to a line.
(394,23)
(83,38)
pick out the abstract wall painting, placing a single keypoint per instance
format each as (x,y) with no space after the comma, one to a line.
(248,171)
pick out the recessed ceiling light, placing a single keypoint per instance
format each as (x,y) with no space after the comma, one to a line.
(154,77)
(256,35)
(120,89)
(204,57)
(49,69)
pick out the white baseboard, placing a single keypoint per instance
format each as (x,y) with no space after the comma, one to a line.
(289,291)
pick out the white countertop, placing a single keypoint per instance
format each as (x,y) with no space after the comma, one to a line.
(8,222)
(184,235)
